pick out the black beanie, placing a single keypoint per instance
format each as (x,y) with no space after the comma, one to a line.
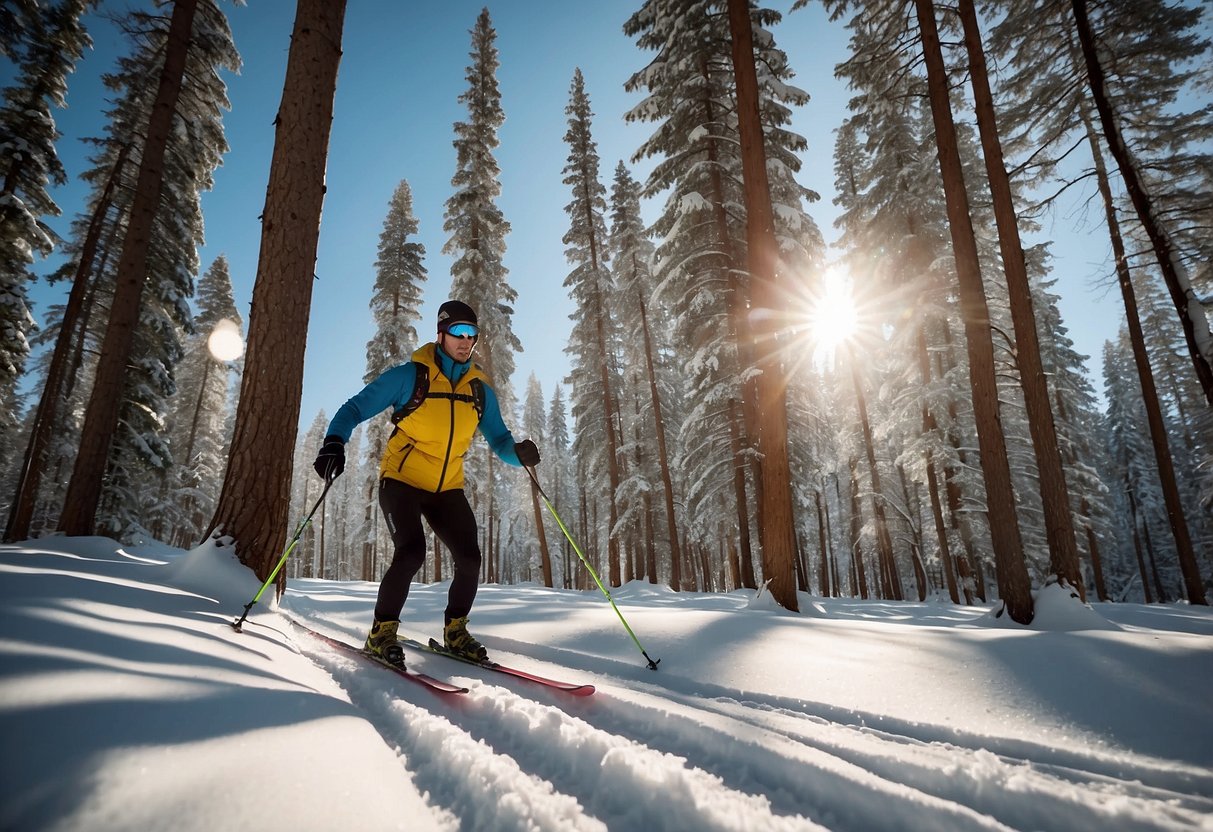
(455,311)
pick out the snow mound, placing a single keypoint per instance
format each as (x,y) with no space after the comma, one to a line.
(213,570)
(1056,608)
(1059,609)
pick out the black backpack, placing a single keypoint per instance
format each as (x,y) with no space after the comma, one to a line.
(421,391)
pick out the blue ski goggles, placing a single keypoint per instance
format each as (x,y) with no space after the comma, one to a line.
(463,330)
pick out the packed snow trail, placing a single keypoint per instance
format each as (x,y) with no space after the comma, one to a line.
(643,756)
(127,701)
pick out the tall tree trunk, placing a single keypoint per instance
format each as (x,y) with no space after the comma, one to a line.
(821,534)
(1187,305)
(1059,523)
(545,557)
(856,527)
(105,403)
(738,301)
(663,455)
(256,489)
(743,516)
(47,413)
(778,521)
(1141,560)
(1014,586)
(1149,390)
(891,578)
(930,426)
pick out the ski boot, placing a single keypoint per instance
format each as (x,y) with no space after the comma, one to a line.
(459,641)
(381,643)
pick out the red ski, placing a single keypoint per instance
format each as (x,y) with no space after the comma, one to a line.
(568,687)
(430,682)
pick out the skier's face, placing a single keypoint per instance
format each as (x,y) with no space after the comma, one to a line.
(457,347)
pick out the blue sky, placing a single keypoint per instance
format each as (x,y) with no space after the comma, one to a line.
(401,73)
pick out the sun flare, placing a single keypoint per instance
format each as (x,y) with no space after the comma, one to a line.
(225,342)
(833,317)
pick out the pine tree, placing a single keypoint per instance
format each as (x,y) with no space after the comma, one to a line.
(200,408)
(595,388)
(29,164)
(646,359)
(477,242)
(700,264)
(396,309)
(102,415)
(253,504)
(140,464)
(557,467)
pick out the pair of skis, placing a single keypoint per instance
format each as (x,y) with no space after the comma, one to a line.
(440,685)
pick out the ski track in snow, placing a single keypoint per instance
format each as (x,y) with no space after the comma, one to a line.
(511,755)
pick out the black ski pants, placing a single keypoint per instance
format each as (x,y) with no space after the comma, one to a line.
(451,518)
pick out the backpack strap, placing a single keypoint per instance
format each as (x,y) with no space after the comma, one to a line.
(421,388)
(475,398)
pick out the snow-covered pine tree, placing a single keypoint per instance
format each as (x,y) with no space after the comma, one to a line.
(596,387)
(477,242)
(140,459)
(199,412)
(700,263)
(1138,500)
(652,424)
(29,165)
(558,480)
(533,527)
(396,309)
(307,487)
(17,19)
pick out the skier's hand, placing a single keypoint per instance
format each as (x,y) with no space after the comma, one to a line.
(527,453)
(330,462)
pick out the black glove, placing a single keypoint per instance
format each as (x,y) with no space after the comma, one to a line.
(330,462)
(528,454)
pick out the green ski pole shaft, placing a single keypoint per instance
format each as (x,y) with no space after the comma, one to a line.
(290,547)
(585,562)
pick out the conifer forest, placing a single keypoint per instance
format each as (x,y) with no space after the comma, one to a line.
(890,407)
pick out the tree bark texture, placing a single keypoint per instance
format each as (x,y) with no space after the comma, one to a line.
(1014,585)
(778,532)
(255,499)
(1054,495)
(105,403)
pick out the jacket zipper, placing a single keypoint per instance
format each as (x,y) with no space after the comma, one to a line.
(450,441)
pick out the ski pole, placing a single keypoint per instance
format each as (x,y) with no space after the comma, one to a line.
(290,547)
(586,563)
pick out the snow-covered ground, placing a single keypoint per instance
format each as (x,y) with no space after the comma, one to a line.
(127,702)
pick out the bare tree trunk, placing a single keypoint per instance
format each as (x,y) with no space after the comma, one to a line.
(1014,585)
(1187,305)
(663,455)
(105,403)
(891,582)
(743,517)
(856,527)
(778,520)
(821,534)
(253,503)
(1059,523)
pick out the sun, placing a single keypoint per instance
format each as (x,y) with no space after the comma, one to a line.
(832,314)
(225,342)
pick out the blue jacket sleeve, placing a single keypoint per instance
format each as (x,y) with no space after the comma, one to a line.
(390,390)
(494,430)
